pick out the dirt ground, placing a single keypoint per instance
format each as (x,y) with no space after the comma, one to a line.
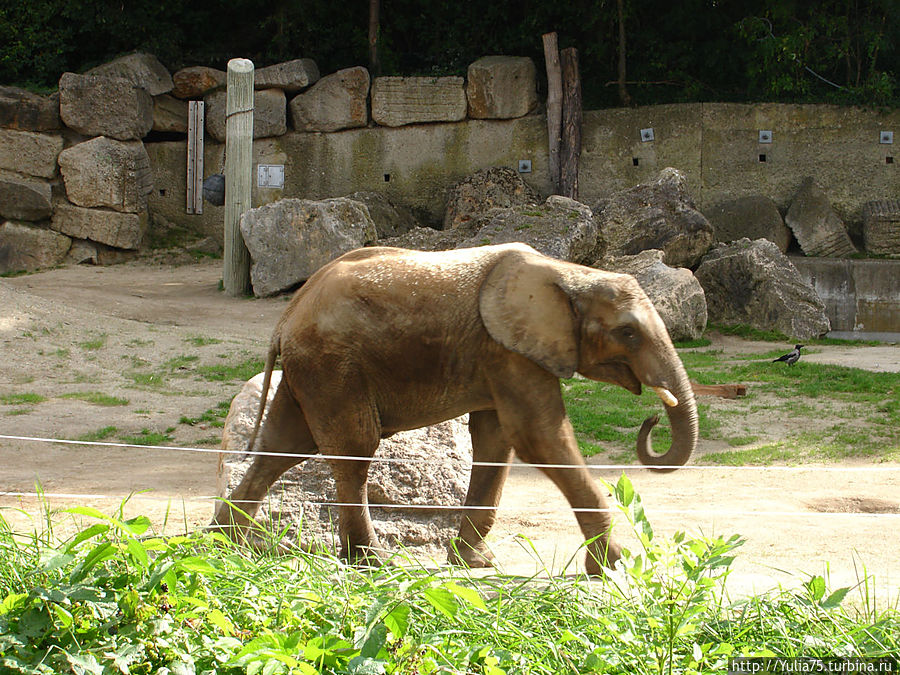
(141,332)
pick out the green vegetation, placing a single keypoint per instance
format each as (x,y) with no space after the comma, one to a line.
(99,435)
(214,417)
(202,341)
(240,372)
(148,437)
(96,343)
(97,398)
(119,598)
(21,399)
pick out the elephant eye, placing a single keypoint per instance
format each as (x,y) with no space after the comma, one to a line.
(628,334)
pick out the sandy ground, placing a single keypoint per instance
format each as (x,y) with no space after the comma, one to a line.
(88,329)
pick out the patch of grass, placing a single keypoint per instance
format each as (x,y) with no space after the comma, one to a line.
(62,353)
(201,341)
(750,333)
(97,398)
(181,363)
(99,435)
(214,417)
(693,344)
(224,373)
(21,399)
(149,380)
(148,437)
(96,343)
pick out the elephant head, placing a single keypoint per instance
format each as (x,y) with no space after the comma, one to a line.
(568,318)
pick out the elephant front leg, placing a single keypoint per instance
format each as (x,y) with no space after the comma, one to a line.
(485,487)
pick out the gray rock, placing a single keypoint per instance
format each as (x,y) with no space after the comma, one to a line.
(30,153)
(170,114)
(819,230)
(194,82)
(425,239)
(26,111)
(659,214)
(881,227)
(337,101)
(289,76)
(753,217)
(121,230)
(496,187)
(675,292)
(501,87)
(397,101)
(25,248)
(290,239)
(269,113)
(96,105)
(429,466)
(390,219)
(143,70)
(755,284)
(560,227)
(24,198)
(106,172)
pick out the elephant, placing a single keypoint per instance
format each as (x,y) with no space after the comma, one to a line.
(383,339)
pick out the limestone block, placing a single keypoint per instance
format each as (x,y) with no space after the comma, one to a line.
(269,113)
(169,114)
(26,111)
(290,76)
(143,70)
(194,82)
(29,153)
(752,217)
(881,227)
(397,101)
(122,230)
(818,229)
(501,87)
(337,101)
(96,105)
(24,198)
(105,172)
(27,248)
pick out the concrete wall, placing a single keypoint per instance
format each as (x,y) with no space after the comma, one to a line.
(715,144)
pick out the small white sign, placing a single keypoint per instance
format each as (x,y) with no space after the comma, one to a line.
(270,176)
(765,136)
(647,135)
(886,137)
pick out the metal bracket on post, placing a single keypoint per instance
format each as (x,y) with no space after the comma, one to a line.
(195,157)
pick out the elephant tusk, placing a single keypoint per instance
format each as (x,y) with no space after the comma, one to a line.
(666,396)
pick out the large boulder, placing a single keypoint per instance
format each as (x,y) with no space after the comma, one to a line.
(121,230)
(170,114)
(391,219)
(426,467)
(752,217)
(106,172)
(269,113)
(98,105)
(818,229)
(425,239)
(752,283)
(24,198)
(397,101)
(289,76)
(496,187)
(501,87)
(337,101)
(675,292)
(656,215)
(290,239)
(143,70)
(30,153)
(881,227)
(26,111)
(25,248)
(195,82)
(560,227)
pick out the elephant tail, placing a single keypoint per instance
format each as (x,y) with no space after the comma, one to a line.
(271,357)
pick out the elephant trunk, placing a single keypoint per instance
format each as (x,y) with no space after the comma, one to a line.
(683,420)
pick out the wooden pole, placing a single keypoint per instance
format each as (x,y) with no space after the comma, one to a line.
(554,106)
(238,169)
(374,30)
(571,125)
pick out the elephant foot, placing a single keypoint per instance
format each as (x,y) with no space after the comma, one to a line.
(475,556)
(364,556)
(601,554)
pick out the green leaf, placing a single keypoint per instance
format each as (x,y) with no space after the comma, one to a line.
(13,601)
(217,618)
(816,587)
(197,564)
(470,595)
(397,620)
(442,600)
(84,664)
(835,599)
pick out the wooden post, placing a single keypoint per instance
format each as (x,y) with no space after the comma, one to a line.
(571,125)
(195,157)
(554,106)
(238,169)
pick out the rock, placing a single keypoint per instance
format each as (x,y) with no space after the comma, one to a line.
(194,82)
(143,70)
(818,229)
(501,87)
(496,187)
(269,113)
(170,114)
(96,105)
(337,101)
(83,252)
(25,111)
(397,101)
(390,219)
(656,215)
(106,172)
(121,230)
(753,217)
(29,153)
(425,239)
(755,284)
(289,76)
(431,468)
(561,228)
(25,248)
(24,198)
(675,292)
(290,239)
(881,227)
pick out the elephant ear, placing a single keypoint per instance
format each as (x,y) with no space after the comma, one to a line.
(525,309)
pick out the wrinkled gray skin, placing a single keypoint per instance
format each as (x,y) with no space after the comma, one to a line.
(383,340)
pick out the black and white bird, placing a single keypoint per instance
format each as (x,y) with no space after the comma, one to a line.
(791,357)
